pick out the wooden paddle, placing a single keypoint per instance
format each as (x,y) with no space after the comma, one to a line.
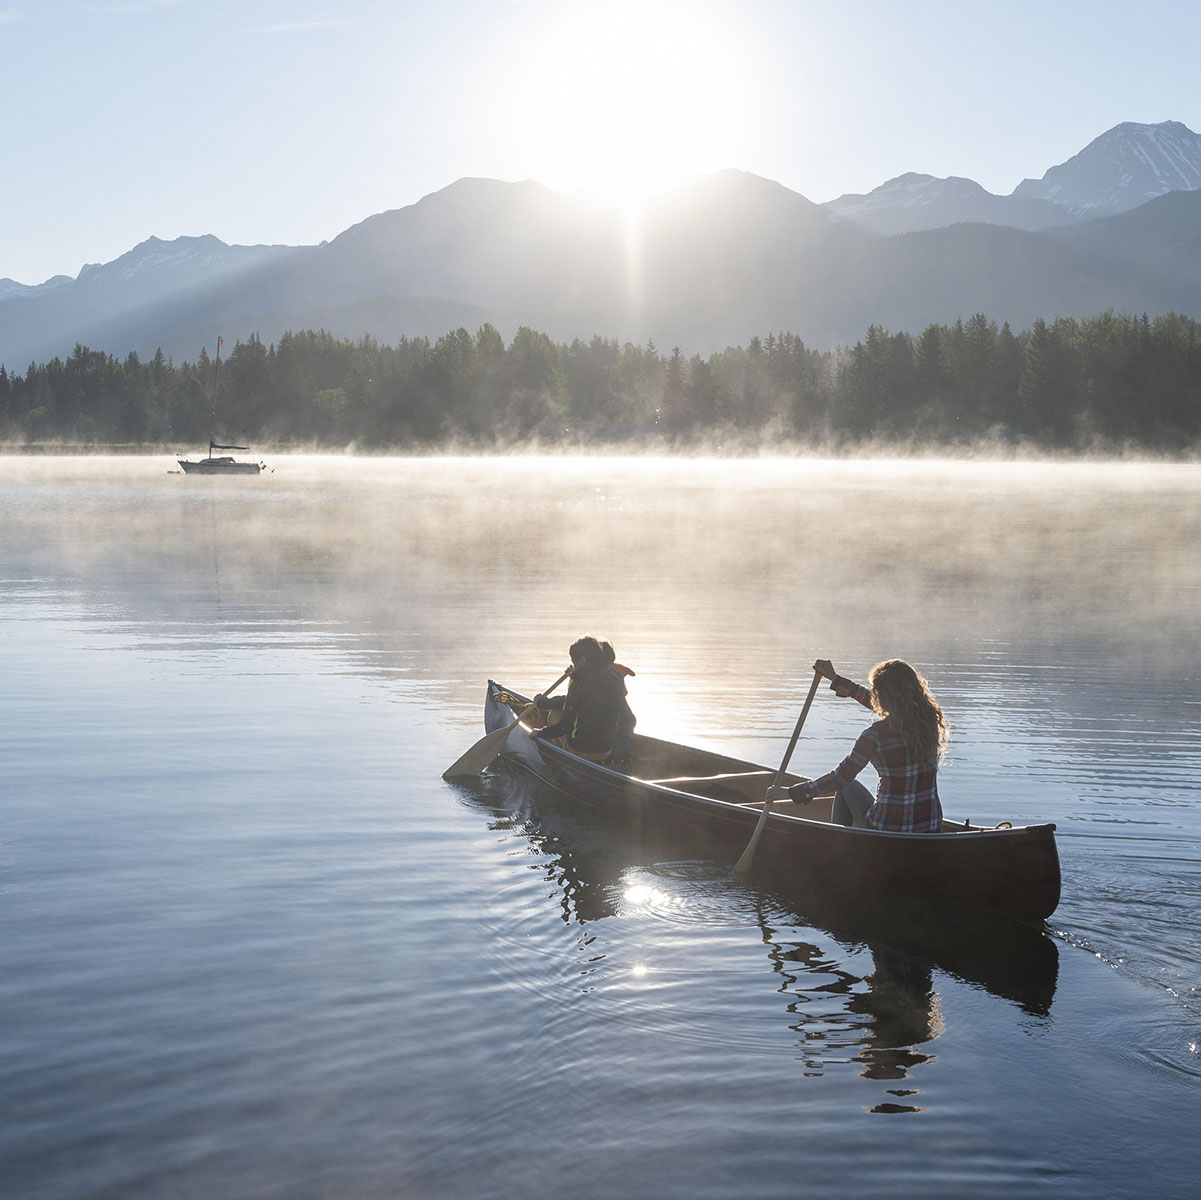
(491,744)
(748,855)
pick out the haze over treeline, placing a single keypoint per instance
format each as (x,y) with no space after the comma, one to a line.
(1106,382)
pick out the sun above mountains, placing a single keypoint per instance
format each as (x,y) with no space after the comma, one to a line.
(619,99)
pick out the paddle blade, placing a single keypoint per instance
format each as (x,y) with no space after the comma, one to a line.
(481,754)
(491,744)
(748,855)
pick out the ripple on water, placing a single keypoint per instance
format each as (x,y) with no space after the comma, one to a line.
(253,943)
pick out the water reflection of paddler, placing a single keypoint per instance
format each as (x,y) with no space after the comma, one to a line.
(905,746)
(884,1016)
(596,721)
(904,1011)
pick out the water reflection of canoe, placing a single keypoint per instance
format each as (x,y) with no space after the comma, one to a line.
(717,800)
(907,935)
(1015,960)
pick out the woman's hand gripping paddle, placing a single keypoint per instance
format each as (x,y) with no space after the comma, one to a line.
(748,855)
(491,744)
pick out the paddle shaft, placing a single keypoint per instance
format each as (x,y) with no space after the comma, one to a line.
(748,855)
(530,707)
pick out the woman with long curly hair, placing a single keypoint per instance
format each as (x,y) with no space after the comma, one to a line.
(905,746)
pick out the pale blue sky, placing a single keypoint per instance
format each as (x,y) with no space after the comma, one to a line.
(289,121)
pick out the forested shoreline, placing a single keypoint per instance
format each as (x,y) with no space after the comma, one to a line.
(1104,383)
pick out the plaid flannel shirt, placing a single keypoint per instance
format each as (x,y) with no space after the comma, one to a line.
(907,796)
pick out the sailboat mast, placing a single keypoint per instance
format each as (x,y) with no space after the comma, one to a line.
(213,414)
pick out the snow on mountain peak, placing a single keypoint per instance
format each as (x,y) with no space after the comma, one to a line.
(1125,167)
(155,254)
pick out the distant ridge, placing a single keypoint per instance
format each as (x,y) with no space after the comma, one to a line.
(710,264)
(914,202)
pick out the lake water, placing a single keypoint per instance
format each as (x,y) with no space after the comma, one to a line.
(253,945)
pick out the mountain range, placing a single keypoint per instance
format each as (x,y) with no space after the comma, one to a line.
(712,263)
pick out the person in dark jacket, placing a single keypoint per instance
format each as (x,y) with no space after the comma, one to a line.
(596,721)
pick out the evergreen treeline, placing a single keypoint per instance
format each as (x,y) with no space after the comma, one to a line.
(1107,380)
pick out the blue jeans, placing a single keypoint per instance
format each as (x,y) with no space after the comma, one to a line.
(851,803)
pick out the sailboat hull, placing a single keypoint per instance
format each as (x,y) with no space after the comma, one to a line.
(219,466)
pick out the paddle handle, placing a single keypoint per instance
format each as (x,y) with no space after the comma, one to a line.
(748,855)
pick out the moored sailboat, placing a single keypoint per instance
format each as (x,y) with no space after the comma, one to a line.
(223,464)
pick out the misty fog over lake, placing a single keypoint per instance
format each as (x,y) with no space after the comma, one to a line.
(253,944)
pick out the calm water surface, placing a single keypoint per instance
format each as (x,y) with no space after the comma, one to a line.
(251,943)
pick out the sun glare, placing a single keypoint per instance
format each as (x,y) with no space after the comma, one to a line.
(618,100)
